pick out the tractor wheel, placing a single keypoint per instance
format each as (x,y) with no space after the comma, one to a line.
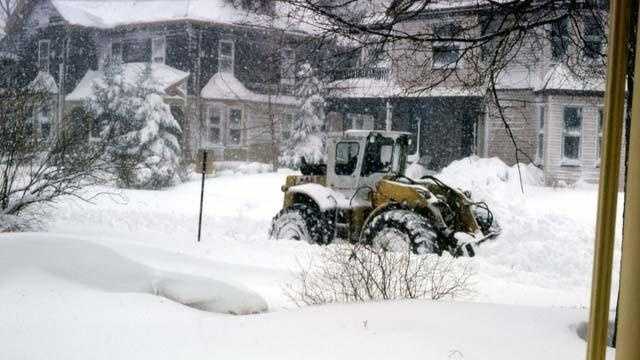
(299,222)
(402,231)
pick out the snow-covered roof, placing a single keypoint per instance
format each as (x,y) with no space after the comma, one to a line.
(388,88)
(164,76)
(225,86)
(560,77)
(106,14)
(44,82)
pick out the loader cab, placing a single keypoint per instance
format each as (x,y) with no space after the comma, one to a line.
(361,158)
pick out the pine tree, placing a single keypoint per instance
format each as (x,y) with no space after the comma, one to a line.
(307,136)
(143,145)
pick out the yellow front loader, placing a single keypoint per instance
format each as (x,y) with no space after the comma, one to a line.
(362,195)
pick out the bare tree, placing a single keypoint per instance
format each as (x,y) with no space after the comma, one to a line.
(344,273)
(7,8)
(39,164)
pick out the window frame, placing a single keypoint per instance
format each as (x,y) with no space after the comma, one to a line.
(220,126)
(286,126)
(566,161)
(449,46)
(222,57)
(599,135)
(287,66)
(596,37)
(336,163)
(47,58)
(119,55)
(540,134)
(161,49)
(231,126)
(563,37)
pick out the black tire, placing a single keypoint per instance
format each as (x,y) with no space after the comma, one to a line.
(406,227)
(299,222)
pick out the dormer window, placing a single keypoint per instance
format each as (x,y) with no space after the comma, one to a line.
(44,48)
(226,53)
(158,49)
(593,37)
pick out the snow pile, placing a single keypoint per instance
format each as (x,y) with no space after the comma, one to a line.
(78,262)
(228,168)
(225,86)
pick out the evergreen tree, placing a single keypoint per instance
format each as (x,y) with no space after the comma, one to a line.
(307,136)
(143,146)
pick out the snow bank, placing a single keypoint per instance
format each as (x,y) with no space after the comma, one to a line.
(227,168)
(81,262)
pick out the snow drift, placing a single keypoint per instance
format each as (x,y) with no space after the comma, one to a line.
(84,263)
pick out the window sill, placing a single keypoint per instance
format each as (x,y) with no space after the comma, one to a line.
(571,164)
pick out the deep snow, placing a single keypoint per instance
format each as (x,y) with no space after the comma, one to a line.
(536,273)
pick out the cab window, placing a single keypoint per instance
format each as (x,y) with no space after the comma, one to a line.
(346,157)
(378,157)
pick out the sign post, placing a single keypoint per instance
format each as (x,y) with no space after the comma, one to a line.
(204,165)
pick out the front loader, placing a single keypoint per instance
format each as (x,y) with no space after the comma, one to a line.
(362,196)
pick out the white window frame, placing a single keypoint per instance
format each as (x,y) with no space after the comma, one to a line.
(599,133)
(222,57)
(287,66)
(158,49)
(540,135)
(565,39)
(595,37)
(114,55)
(566,133)
(44,64)
(445,44)
(220,126)
(231,126)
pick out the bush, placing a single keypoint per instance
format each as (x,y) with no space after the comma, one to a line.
(362,273)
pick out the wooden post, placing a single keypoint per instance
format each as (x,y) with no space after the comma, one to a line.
(628,329)
(609,180)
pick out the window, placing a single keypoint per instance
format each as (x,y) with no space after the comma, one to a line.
(287,126)
(571,135)
(44,55)
(346,157)
(235,127)
(214,124)
(94,128)
(446,54)
(540,151)
(490,26)
(158,49)
(378,157)
(600,131)
(226,51)
(559,38)
(44,122)
(358,121)
(116,50)
(287,66)
(593,37)
(136,50)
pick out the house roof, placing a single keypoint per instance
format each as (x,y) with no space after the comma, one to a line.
(388,88)
(44,82)
(560,77)
(164,77)
(107,14)
(225,86)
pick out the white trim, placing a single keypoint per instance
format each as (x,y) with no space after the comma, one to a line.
(564,161)
(541,125)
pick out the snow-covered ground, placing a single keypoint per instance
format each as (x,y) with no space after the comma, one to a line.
(110,279)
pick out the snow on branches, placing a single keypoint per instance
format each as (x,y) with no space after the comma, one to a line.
(145,150)
(307,134)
